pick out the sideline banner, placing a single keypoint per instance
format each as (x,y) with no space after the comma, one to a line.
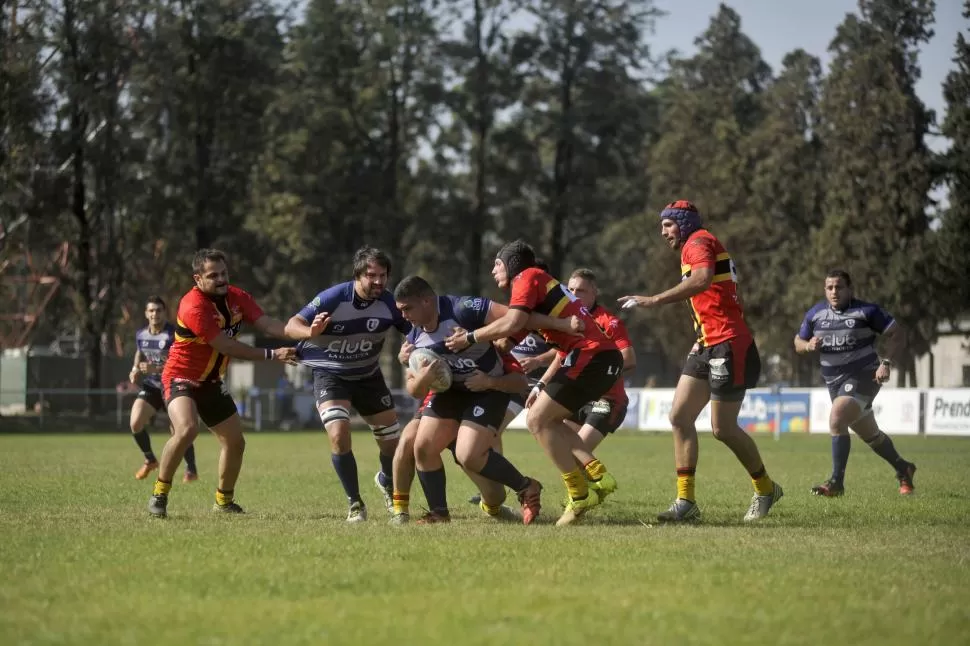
(760,412)
(948,411)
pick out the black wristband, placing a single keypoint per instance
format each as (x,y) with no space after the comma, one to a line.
(541,385)
(470,338)
(267,354)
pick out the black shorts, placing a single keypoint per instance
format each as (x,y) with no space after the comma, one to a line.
(368,396)
(212,398)
(516,404)
(486,408)
(604,415)
(585,376)
(153,396)
(861,387)
(730,367)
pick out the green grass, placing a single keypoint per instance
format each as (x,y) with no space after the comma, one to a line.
(82,563)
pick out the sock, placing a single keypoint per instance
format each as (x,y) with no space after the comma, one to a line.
(576,485)
(190,459)
(840,456)
(346,467)
(144,443)
(498,469)
(223,498)
(491,510)
(401,502)
(387,468)
(433,483)
(883,445)
(594,470)
(763,486)
(685,483)
(161,488)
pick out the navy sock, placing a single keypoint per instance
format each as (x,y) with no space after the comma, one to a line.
(190,459)
(433,483)
(387,469)
(498,469)
(882,444)
(346,467)
(145,444)
(840,456)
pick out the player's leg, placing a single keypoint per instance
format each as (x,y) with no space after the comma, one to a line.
(845,410)
(333,406)
(437,428)
(735,366)
(224,422)
(690,397)
(183,413)
(516,406)
(480,422)
(142,411)
(603,418)
(868,429)
(372,399)
(583,377)
(403,472)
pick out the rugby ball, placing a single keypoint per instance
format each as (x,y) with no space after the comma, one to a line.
(422,357)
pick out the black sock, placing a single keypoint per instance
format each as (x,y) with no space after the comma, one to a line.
(840,456)
(346,467)
(387,469)
(499,469)
(433,483)
(190,459)
(882,444)
(144,443)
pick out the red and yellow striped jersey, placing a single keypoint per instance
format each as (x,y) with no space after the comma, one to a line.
(717,311)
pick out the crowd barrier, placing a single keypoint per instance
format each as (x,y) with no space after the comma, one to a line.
(901,411)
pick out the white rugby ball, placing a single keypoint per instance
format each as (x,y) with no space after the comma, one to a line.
(422,357)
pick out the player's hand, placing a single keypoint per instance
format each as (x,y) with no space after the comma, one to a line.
(504,345)
(529,364)
(577,326)
(143,367)
(457,342)
(478,381)
(426,374)
(285,355)
(533,396)
(319,324)
(133,375)
(404,354)
(629,302)
(882,374)
(813,343)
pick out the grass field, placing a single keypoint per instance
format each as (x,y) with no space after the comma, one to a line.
(82,563)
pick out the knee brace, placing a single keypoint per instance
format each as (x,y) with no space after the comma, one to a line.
(391,432)
(334,414)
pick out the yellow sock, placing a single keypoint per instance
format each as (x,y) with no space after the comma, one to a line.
(685,483)
(576,484)
(491,510)
(162,488)
(594,470)
(401,502)
(763,485)
(223,498)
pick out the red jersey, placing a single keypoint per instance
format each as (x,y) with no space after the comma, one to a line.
(612,326)
(535,290)
(200,319)
(717,311)
(511,364)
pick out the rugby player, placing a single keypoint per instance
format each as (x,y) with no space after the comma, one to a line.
(209,316)
(591,366)
(152,344)
(346,370)
(843,330)
(721,366)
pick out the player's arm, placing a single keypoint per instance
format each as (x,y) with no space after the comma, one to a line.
(805,340)
(239,350)
(133,374)
(418,383)
(699,280)
(511,382)
(892,343)
(198,319)
(536,321)
(310,321)
(629,360)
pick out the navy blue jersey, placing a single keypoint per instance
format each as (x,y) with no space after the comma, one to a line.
(351,345)
(531,346)
(468,313)
(154,349)
(848,337)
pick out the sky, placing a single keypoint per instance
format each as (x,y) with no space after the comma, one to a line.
(781,26)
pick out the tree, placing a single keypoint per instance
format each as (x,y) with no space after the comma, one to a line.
(878,168)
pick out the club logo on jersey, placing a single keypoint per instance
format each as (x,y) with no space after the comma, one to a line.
(460,364)
(372,324)
(473,303)
(161,344)
(478,411)
(338,328)
(850,322)
(343,346)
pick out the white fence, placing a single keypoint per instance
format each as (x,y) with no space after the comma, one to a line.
(902,411)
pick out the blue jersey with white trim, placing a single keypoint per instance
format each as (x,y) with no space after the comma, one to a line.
(154,349)
(531,346)
(848,337)
(468,313)
(351,345)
